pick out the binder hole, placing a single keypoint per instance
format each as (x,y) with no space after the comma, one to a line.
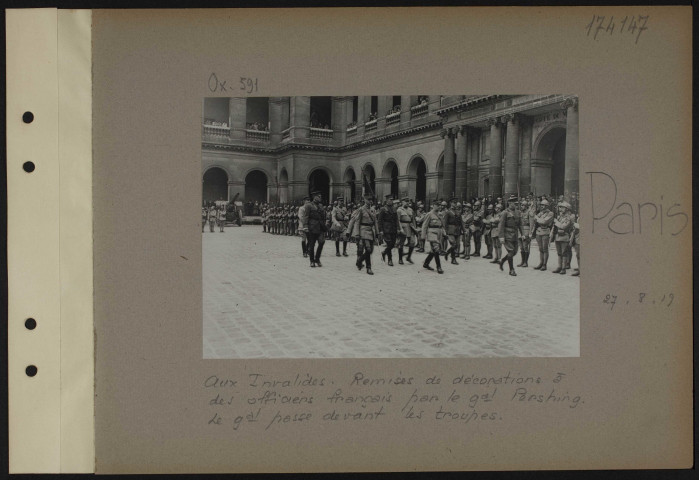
(28,167)
(31,370)
(28,117)
(30,323)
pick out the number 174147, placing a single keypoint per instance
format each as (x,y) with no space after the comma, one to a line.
(601,24)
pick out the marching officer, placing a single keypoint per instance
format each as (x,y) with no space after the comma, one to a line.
(487,229)
(543,222)
(494,222)
(315,229)
(467,225)
(339,220)
(407,231)
(433,231)
(364,227)
(452,224)
(419,219)
(477,228)
(389,226)
(562,227)
(509,231)
(303,225)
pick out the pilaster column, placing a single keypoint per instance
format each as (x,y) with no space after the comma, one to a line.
(405,103)
(362,113)
(237,112)
(407,186)
(433,103)
(448,135)
(461,174)
(338,121)
(431,186)
(382,108)
(297,190)
(525,174)
(512,155)
(276,110)
(300,117)
(235,187)
(495,175)
(383,188)
(473,155)
(358,185)
(571,175)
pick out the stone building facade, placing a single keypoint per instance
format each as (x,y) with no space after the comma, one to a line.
(276,149)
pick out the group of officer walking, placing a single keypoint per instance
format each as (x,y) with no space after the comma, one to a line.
(447,229)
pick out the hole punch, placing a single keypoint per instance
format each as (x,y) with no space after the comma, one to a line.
(28,117)
(30,324)
(31,370)
(28,167)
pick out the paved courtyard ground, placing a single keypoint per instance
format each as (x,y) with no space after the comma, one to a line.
(262,300)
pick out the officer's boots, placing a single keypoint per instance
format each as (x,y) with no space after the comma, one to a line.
(453,256)
(400,256)
(344,249)
(337,248)
(427,261)
(439,264)
(319,249)
(410,253)
(367,258)
(560,261)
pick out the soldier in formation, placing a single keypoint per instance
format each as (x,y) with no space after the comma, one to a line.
(433,231)
(477,227)
(364,228)
(419,219)
(453,227)
(562,228)
(302,225)
(407,231)
(487,231)
(466,225)
(542,231)
(389,226)
(528,214)
(315,228)
(339,222)
(221,218)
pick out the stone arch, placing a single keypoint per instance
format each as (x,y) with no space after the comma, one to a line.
(370,171)
(320,178)
(256,185)
(215,184)
(387,167)
(548,160)
(349,179)
(283,186)
(414,162)
(390,172)
(222,167)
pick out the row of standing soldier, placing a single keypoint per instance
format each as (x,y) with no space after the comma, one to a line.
(448,225)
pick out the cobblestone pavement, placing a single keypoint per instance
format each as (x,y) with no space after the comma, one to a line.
(261,300)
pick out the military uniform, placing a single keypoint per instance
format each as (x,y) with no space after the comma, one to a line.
(477,228)
(408,227)
(466,224)
(303,226)
(419,219)
(340,220)
(543,222)
(221,218)
(389,225)
(453,226)
(575,244)
(562,228)
(364,227)
(494,222)
(204,215)
(528,225)
(487,229)
(433,231)
(212,218)
(315,213)
(509,231)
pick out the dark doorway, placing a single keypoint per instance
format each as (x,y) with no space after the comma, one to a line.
(215,185)
(350,179)
(256,186)
(421,184)
(394,181)
(369,181)
(558,167)
(319,181)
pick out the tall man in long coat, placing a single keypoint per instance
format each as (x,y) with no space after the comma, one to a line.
(315,229)
(509,231)
(389,225)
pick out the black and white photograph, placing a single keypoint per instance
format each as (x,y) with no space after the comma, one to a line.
(405,226)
